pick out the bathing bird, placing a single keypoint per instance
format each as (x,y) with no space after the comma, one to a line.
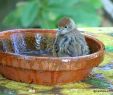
(69,41)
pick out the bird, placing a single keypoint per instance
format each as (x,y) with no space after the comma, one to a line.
(69,41)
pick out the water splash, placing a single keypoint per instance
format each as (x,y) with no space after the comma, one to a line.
(38,39)
(19,44)
(36,53)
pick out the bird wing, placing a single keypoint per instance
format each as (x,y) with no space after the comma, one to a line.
(69,47)
(73,48)
(84,47)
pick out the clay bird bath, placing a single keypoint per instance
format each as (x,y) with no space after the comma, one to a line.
(17,63)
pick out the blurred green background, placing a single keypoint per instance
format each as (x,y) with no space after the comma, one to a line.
(46,13)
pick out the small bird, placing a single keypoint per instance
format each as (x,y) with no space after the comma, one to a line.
(69,41)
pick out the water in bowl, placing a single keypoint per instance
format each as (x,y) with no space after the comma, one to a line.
(30,45)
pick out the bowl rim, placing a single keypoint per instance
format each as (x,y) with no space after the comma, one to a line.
(92,55)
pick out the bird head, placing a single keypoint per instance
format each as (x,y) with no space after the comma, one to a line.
(65,25)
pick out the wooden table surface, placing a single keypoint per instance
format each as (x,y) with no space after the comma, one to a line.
(100,81)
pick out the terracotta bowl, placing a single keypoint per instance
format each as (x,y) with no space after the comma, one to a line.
(46,70)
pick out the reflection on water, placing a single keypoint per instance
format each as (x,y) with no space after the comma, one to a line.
(36,53)
(32,45)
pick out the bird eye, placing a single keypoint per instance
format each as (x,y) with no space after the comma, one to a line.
(65,27)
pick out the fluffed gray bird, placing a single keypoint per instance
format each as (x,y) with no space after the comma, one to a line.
(69,41)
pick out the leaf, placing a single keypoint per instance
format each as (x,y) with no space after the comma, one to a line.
(45,23)
(12,20)
(46,13)
(85,19)
(96,3)
(24,15)
(63,2)
(29,13)
(83,16)
(48,18)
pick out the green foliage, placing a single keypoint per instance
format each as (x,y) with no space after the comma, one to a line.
(45,13)
(109,48)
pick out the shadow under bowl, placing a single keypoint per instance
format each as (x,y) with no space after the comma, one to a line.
(46,70)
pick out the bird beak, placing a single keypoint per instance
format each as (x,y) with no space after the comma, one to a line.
(58,30)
